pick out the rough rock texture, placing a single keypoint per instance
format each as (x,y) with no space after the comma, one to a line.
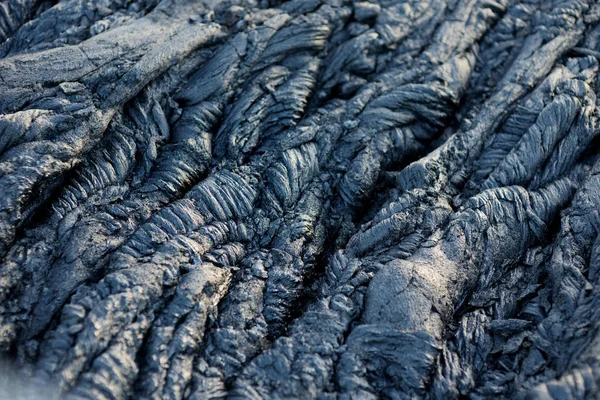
(299,199)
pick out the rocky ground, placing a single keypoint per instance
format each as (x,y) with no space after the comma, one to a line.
(299,199)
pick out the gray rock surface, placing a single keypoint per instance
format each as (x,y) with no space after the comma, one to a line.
(312,199)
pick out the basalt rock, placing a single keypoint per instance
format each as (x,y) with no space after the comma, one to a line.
(299,199)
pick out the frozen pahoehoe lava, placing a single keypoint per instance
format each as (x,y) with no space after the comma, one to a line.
(300,199)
